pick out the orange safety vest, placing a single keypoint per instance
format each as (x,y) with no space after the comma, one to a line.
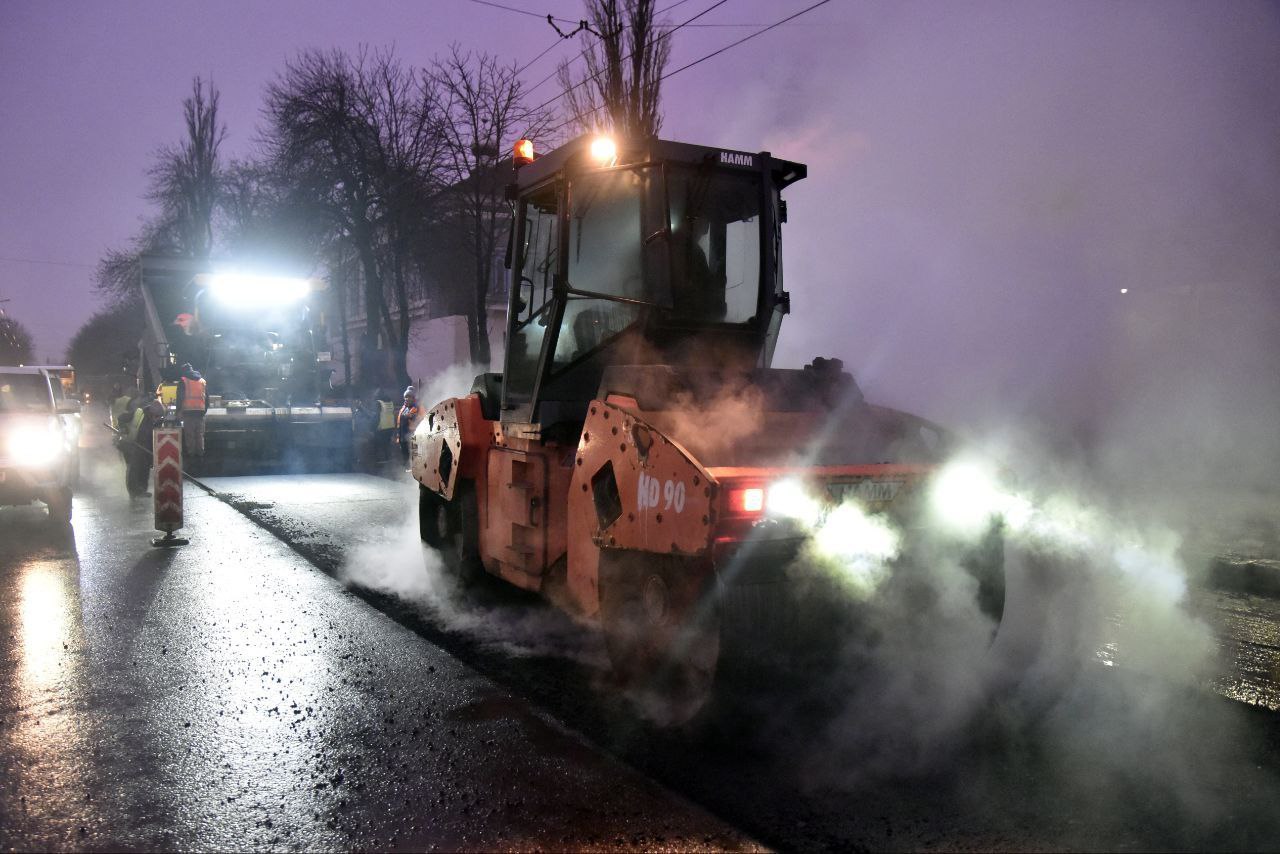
(409,416)
(194,398)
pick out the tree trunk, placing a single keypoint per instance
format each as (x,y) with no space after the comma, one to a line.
(372,370)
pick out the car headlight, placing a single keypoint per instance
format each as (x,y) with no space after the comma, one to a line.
(31,446)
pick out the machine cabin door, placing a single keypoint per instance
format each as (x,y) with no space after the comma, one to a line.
(535,270)
(591,260)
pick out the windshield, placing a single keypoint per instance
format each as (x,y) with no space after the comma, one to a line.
(715,245)
(24,393)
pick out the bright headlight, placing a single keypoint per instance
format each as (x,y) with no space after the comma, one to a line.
(852,535)
(967,497)
(789,499)
(258,291)
(31,446)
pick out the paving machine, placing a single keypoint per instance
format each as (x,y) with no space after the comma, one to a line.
(625,462)
(254,341)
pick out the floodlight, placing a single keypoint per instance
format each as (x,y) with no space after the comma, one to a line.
(247,289)
(604,150)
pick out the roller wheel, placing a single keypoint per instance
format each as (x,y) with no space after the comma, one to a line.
(451,528)
(662,631)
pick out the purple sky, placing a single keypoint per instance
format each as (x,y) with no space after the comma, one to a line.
(984,177)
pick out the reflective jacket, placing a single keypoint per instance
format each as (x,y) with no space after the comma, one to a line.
(192,396)
(118,408)
(131,430)
(409,415)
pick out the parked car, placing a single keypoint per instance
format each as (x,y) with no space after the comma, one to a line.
(39,442)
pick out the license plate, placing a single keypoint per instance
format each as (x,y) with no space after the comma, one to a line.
(866,490)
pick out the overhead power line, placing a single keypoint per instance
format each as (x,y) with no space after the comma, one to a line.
(745,39)
(696,61)
(550,48)
(665,35)
(522,11)
(46,262)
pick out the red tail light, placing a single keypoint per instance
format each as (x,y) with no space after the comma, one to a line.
(746,501)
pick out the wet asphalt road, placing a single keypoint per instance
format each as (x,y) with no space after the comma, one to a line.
(248,701)
(226,695)
(1097,772)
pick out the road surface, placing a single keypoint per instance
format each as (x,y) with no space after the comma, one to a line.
(301,676)
(225,695)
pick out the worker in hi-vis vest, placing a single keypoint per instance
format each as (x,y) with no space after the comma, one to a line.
(193,402)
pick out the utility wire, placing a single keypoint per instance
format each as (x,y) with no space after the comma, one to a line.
(550,48)
(702,59)
(44,261)
(663,11)
(521,11)
(745,39)
(665,35)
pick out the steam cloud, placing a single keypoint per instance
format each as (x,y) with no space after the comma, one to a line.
(394,560)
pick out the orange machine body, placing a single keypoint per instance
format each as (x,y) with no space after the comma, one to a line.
(546,510)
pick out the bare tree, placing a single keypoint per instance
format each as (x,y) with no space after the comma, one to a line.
(102,345)
(356,140)
(15,342)
(482,104)
(186,185)
(625,53)
(117,274)
(185,178)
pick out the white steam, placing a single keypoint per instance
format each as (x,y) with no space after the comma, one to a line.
(1087,588)
(393,560)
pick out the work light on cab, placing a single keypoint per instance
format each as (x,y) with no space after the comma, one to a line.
(604,150)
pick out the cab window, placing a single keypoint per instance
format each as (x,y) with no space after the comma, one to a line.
(24,393)
(535,272)
(715,254)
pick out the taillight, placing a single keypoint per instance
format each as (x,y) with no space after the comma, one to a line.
(748,501)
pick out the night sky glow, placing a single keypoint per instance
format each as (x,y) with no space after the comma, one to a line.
(986,179)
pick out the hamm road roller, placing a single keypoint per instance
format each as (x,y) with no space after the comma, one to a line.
(626,462)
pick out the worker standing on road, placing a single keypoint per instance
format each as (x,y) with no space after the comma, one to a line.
(137,446)
(193,402)
(116,415)
(409,415)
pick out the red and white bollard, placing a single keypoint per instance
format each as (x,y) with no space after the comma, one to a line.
(167,487)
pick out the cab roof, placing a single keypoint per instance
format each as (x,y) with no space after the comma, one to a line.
(575,155)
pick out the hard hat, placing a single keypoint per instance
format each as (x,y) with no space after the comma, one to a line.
(410,392)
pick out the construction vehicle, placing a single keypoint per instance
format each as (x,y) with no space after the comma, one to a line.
(252,338)
(623,463)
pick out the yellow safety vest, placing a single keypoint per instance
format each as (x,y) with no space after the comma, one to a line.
(386,415)
(118,407)
(132,430)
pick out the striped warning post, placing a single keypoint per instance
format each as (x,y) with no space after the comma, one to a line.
(167,489)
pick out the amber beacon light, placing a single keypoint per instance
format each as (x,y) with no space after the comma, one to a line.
(522,154)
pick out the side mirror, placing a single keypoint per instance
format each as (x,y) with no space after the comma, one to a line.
(68,407)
